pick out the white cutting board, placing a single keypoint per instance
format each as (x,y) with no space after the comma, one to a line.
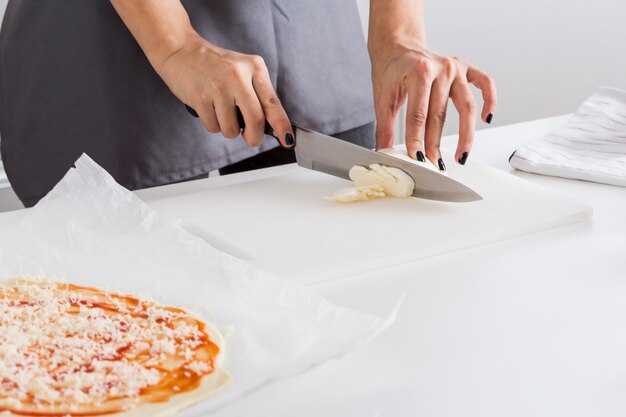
(283,224)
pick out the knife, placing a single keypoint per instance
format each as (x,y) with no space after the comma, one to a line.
(336,157)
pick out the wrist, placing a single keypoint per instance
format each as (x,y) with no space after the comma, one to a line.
(160,27)
(171,44)
(379,43)
(395,23)
(386,48)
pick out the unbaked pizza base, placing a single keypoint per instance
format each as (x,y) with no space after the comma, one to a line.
(209,385)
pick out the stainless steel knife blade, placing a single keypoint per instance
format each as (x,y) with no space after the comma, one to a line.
(333,156)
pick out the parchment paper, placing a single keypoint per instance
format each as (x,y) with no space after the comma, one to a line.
(90,230)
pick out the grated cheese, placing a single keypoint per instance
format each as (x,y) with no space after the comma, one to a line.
(64,346)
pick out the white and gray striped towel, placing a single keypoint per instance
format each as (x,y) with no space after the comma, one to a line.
(591,146)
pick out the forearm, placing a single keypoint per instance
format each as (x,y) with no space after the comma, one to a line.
(395,21)
(161,27)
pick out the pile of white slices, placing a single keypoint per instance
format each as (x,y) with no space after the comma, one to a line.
(378,181)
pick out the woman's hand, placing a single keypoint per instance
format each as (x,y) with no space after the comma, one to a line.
(402,66)
(210,79)
(428,79)
(213,81)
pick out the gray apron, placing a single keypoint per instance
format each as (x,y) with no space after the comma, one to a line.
(74,80)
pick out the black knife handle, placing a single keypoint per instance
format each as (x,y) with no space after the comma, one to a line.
(268,130)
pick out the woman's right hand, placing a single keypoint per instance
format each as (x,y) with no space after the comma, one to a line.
(214,81)
(210,79)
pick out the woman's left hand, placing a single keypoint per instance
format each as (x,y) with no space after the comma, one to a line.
(428,80)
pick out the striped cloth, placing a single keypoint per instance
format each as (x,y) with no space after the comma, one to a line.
(591,146)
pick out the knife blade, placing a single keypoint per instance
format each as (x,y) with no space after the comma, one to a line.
(333,156)
(336,157)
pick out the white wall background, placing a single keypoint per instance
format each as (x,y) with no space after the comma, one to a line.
(547,55)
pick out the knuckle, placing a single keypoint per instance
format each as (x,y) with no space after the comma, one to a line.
(440,117)
(232,67)
(424,69)
(257,117)
(425,66)
(417,118)
(460,62)
(253,140)
(235,70)
(413,142)
(211,127)
(468,105)
(491,84)
(448,66)
(257,62)
(230,133)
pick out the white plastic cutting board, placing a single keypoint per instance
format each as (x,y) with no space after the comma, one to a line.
(284,225)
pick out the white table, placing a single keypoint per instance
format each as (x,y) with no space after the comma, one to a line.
(534,326)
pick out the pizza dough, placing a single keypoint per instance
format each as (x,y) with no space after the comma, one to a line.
(72,350)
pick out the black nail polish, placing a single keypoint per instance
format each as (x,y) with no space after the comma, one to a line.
(289,139)
(191,111)
(488,118)
(442,166)
(420,156)
(463,158)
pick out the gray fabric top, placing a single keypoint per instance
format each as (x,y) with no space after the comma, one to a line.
(74,80)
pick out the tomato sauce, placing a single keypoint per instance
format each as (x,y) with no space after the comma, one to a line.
(172,381)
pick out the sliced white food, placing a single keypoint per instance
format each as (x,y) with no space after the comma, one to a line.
(352,194)
(394,181)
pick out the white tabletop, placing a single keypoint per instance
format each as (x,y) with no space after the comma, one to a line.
(533,326)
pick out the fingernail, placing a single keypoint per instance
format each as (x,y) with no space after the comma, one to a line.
(488,118)
(420,156)
(463,158)
(442,166)
(289,139)
(191,111)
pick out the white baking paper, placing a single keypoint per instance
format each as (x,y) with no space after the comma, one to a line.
(90,230)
